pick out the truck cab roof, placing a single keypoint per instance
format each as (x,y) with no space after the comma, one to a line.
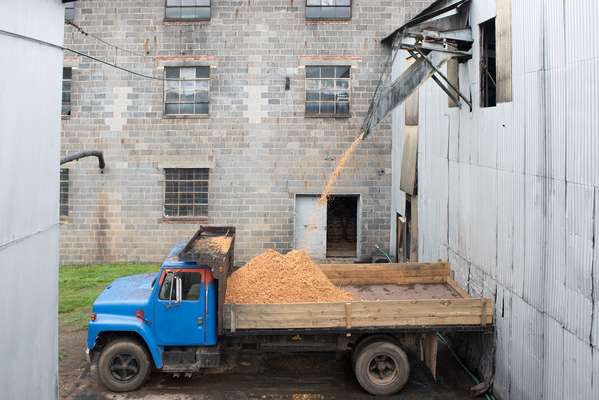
(173,260)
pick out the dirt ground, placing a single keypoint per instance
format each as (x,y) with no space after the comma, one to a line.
(257,376)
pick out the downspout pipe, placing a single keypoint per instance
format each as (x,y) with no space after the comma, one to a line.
(83,154)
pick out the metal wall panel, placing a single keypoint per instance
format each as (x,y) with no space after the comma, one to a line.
(507,201)
(503,316)
(553,361)
(578,368)
(532,35)
(535,124)
(534,271)
(580,237)
(555,250)
(582,163)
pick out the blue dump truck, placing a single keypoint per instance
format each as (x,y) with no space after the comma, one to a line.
(177,321)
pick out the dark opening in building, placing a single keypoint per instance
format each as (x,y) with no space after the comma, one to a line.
(488,69)
(342,226)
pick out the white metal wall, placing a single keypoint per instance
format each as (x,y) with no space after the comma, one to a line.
(30,82)
(509,195)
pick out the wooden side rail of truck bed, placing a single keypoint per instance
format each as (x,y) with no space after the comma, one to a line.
(447,305)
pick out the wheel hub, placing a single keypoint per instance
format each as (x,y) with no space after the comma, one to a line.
(124,367)
(382,369)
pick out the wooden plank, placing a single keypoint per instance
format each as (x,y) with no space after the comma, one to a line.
(371,274)
(363,314)
(454,285)
(430,353)
(348,315)
(503,28)
(453,76)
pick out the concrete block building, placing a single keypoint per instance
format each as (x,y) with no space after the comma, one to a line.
(242,113)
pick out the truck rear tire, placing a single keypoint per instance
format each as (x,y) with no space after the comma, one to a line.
(382,368)
(123,365)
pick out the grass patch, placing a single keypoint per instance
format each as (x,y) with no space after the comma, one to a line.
(80,285)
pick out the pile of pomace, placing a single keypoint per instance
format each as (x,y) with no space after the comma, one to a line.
(272,277)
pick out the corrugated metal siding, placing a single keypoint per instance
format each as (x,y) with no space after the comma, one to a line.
(515,208)
(553,362)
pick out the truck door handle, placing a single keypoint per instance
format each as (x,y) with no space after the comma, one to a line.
(200,321)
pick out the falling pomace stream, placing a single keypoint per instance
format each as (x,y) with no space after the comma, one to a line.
(324,196)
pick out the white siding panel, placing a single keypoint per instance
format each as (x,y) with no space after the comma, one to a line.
(487,137)
(578,368)
(510,147)
(555,122)
(555,39)
(535,124)
(533,32)
(555,250)
(519,234)
(579,311)
(553,363)
(519,123)
(507,201)
(503,316)
(535,241)
(581,21)
(582,163)
(579,251)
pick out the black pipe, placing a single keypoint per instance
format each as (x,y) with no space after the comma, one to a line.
(92,153)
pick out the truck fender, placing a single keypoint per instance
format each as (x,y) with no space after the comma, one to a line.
(122,324)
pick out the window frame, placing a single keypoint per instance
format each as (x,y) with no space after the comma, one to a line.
(319,102)
(349,18)
(175,271)
(71,12)
(70,92)
(486,99)
(165,101)
(64,183)
(182,19)
(180,217)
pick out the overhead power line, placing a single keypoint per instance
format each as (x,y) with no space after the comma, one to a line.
(59,47)
(99,39)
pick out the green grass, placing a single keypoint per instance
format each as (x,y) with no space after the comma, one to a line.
(80,285)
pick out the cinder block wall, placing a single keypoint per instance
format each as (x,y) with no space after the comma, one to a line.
(259,146)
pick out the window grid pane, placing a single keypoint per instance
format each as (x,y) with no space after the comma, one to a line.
(67,74)
(328,9)
(187,90)
(64,192)
(197,10)
(186,192)
(327,90)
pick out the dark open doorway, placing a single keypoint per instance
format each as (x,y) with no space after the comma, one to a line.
(342,226)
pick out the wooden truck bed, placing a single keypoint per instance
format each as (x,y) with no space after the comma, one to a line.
(408,296)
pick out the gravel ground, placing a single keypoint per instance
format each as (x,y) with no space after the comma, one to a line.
(256,376)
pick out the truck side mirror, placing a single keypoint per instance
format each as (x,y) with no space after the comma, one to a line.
(178,289)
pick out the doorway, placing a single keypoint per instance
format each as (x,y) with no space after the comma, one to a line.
(342,226)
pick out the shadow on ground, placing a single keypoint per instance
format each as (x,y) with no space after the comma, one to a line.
(257,376)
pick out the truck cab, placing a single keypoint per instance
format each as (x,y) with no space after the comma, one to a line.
(167,320)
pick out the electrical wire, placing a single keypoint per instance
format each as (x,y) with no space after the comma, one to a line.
(85,33)
(99,60)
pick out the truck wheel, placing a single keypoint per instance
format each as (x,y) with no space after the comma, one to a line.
(382,368)
(123,365)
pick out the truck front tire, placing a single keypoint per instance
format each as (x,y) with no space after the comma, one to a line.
(382,368)
(123,365)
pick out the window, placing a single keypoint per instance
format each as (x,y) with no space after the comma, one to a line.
(186,90)
(69,12)
(328,9)
(67,79)
(64,192)
(198,10)
(186,192)
(488,70)
(327,91)
(190,286)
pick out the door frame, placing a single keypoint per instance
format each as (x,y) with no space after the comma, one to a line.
(358,217)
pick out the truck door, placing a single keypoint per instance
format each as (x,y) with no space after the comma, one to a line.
(180,323)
